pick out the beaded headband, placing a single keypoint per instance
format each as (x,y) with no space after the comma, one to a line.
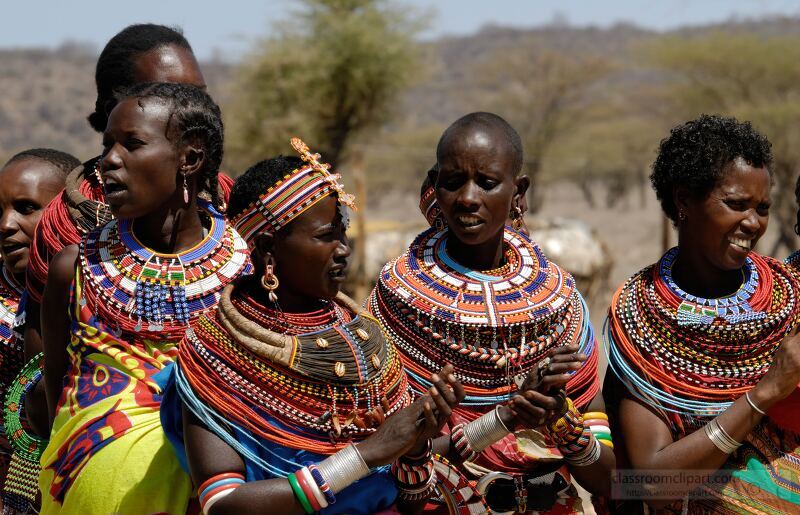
(291,196)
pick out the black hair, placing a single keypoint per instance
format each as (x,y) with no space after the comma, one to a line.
(194,115)
(695,154)
(115,66)
(797,199)
(61,161)
(257,180)
(490,121)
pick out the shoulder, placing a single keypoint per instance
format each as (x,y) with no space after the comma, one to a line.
(62,267)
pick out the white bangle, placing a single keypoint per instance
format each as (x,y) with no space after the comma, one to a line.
(318,495)
(753,404)
(343,468)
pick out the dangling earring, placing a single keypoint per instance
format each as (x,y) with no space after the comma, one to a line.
(681,216)
(516,218)
(269,281)
(185,190)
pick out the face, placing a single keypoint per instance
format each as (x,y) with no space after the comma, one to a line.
(310,259)
(724,226)
(139,166)
(171,64)
(476,186)
(26,187)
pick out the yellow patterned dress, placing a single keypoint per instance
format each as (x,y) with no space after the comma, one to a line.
(130,308)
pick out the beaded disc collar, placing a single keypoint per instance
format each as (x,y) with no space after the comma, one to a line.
(490,325)
(697,369)
(134,288)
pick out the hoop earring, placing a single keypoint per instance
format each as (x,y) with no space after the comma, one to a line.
(516,218)
(185,190)
(269,281)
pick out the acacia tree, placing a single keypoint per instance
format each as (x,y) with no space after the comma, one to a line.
(753,78)
(328,74)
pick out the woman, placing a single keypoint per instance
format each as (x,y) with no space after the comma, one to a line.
(483,297)
(288,370)
(137,54)
(118,305)
(702,344)
(28,181)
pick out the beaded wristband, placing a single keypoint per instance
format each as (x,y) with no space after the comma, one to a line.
(568,428)
(459,442)
(343,468)
(298,492)
(485,430)
(302,481)
(324,487)
(589,455)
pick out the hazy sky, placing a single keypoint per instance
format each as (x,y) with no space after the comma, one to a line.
(229,26)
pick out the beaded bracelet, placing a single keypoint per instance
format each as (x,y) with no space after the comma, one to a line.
(414,475)
(323,485)
(590,453)
(568,428)
(459,442)
(218,487)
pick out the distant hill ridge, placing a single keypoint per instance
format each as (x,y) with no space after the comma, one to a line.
(47,93)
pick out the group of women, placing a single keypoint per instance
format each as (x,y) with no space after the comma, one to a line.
(175,343)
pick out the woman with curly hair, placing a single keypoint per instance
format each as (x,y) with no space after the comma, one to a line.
(702,344)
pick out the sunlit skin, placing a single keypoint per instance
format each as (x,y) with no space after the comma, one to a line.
(714,228)
(26,187)
(168,63)
(476,188)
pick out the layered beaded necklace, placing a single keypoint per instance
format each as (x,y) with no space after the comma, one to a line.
(12,357)
(491,325)
(694,368)
(134,289)
(323,380)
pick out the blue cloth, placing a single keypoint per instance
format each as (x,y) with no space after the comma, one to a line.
(373,493)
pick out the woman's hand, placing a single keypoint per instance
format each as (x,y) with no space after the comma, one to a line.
(409,430)
(783,375)
(531,409)
(554,370)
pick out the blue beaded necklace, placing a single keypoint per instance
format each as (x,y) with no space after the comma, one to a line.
(696,311)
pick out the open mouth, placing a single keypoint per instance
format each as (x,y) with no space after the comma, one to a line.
(469,221)
(10,249)
(337,274)
(741,243)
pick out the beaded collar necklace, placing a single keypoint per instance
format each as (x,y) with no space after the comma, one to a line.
(694,310)
(490,327)
(696,370)
(135,288)
(313,390)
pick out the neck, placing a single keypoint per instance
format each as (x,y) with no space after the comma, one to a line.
(692,272)
(171,230)
(288,301)
(483,256)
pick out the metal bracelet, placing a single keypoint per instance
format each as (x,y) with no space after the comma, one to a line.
(343,468)
(720,438)
(753,404)
(485,430)
(587,457)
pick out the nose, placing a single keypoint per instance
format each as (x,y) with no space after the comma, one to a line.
(753,221)
(469,196)
(8,223)
(343,249)
(110,160)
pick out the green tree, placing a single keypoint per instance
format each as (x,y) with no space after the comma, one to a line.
(752,78)
(328,74)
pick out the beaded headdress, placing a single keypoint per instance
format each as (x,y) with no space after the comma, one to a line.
(292,195)
(430,208)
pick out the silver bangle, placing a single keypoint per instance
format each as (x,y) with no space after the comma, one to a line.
(753,404)
(720,438)
(485,430)
(343,468)
(588,456)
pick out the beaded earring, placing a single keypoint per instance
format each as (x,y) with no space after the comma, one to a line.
(269,281)
(185,190)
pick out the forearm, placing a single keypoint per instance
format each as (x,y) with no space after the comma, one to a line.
(596,478)
(258,497)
